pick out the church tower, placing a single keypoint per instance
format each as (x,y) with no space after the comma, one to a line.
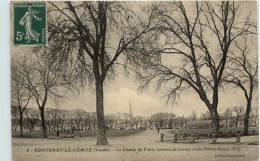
(131,112)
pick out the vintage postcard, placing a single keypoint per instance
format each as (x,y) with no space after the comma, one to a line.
(134,81)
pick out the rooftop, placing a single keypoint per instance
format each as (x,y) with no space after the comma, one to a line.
(197,122)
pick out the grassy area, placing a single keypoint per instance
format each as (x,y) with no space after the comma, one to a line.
(87,133)
(224,131)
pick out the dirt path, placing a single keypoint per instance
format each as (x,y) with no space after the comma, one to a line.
(144,138)
(143,146)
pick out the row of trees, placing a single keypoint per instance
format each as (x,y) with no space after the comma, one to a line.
(57,119)
(80,119)
(231,116)
(200,46)
(36,78)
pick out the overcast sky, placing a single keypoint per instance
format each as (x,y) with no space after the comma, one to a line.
(123,90)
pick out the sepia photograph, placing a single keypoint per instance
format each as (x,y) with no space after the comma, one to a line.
(134,80)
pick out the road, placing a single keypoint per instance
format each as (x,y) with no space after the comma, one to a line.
(143,146)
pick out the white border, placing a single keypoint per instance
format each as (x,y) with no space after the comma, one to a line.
(5,123)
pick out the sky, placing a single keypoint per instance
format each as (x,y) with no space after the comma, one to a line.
(119,94)
(123,91)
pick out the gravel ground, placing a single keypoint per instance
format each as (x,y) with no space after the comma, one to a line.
(139,147)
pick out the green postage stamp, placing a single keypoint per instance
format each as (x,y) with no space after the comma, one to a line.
(29,23)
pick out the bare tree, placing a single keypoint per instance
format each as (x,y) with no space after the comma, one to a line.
(225,117)
(70,119)
(171,117)
(32,117)
(234,114)
(78,116)
(190,49)
(161,119)
(87,120)
(44,77)
(126,119)
(242,72)
(83,122)
(156,119)
(93,120)
(150,122)
(239,111)
(62,119)
(117,120)
(48,118)
(15,117)
(58,116)
(111,120)
(205,116)
(193,115)
(254,116)
(54,117)
(137,120)
(98,33)
(20,95)
(230,117)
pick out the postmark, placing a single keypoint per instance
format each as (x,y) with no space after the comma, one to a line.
(29,23)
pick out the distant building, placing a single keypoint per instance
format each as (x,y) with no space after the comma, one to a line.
(199,124)
(179,123)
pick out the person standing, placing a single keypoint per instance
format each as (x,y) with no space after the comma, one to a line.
(27,20)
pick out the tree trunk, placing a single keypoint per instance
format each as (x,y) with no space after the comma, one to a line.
(246,120)
(101,134)
(21,123)
(44,129)
(236,124)
(215,121)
